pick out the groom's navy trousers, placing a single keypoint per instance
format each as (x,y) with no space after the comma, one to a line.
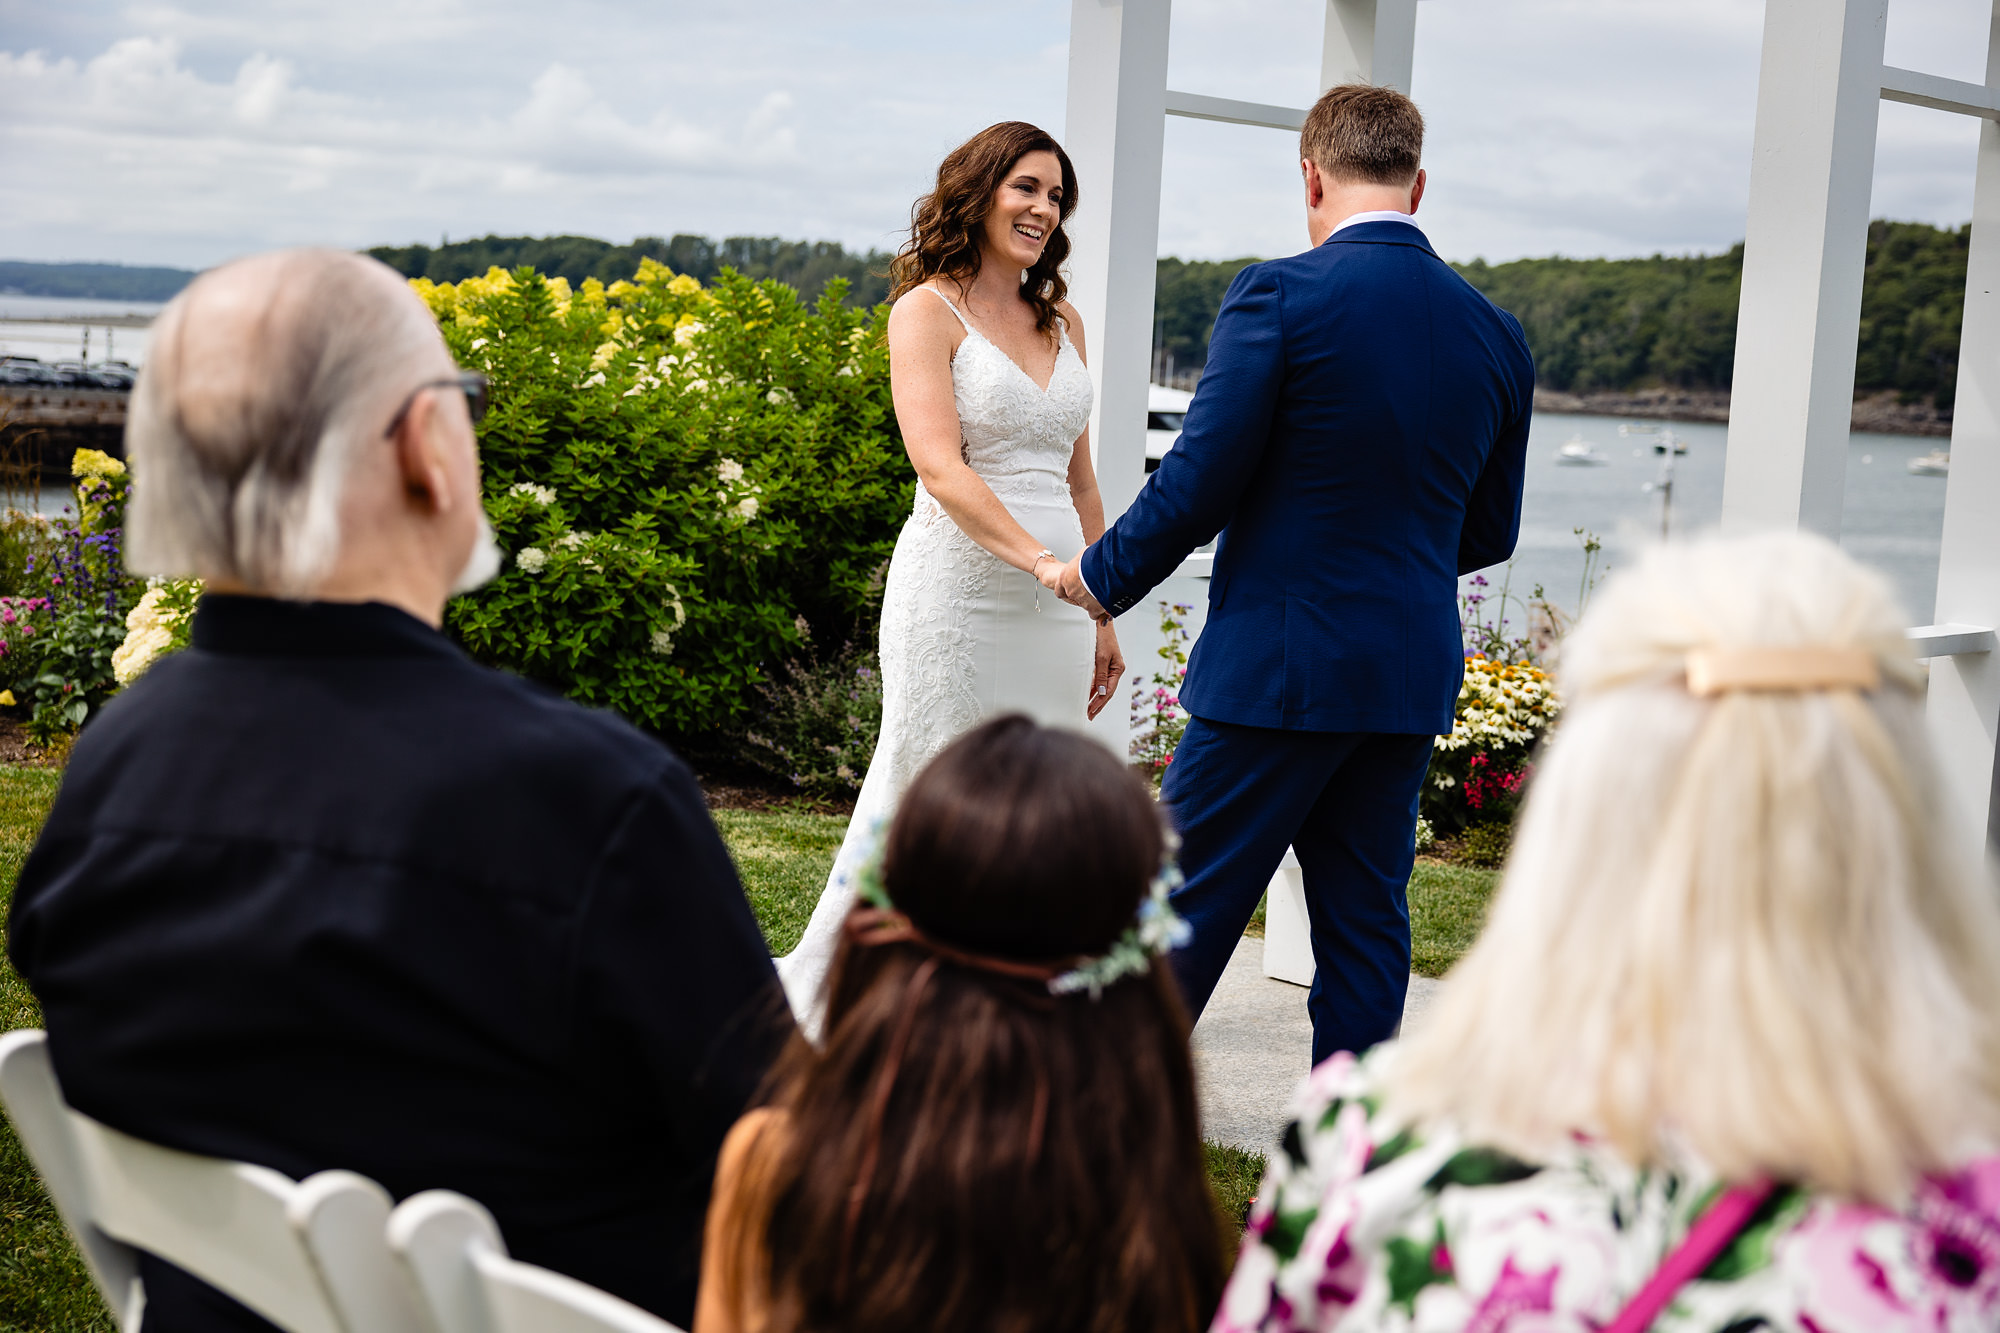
(1358,441)
(1347,803)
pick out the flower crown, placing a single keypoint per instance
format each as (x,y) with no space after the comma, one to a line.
(1154,932)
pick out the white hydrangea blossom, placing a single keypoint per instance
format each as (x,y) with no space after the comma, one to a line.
(541,495)
(147,635)
(594,380)
(747,506)
(572,540)
(663,642)
(779,397)
(687,333)
(730,471)
(532,560)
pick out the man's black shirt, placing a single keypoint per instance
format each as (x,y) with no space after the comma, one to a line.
(321,892)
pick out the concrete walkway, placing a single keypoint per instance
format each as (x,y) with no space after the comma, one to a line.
(1254,1044)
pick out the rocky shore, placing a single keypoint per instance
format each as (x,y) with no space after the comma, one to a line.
(1873,412)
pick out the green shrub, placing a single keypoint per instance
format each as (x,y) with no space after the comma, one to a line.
(27,539)
(817,727)
(1486,844)
(690,484)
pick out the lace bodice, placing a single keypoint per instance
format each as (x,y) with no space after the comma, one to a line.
(1017,437)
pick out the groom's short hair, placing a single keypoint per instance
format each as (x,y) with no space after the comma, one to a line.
(1358,133)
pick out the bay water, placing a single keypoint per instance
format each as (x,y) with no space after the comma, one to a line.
(1891,519)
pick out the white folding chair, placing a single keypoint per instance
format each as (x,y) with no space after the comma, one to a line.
(311,1256)
(453,1252)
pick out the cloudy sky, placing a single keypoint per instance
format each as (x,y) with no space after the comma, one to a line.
(186,133)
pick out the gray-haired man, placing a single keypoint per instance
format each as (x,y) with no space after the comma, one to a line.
(320,892)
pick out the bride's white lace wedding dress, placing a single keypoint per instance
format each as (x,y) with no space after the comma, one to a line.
(965,635)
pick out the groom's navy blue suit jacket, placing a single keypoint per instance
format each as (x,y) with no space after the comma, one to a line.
(1358,440)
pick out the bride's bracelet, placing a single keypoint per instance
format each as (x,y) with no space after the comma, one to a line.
(1035,570)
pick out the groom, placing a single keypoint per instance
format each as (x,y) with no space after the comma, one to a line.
(1358,441)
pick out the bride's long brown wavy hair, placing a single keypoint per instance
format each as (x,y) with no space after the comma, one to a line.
(968,1152)
(945,224)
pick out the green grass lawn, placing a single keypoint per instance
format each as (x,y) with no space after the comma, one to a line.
(783,855)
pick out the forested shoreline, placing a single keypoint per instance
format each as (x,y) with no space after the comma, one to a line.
(1665,322)
(1596,326)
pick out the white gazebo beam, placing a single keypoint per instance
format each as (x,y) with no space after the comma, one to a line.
(1197,106)
(1806,239)
(1963,708)
(1939,94)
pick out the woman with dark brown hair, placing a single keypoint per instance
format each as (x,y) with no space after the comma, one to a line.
(999,1131)
(991,391)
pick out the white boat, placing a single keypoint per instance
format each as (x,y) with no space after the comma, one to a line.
(1579,452)
(1165,409)
(1936,463)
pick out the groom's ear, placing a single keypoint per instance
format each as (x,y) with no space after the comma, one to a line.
(1315,186)
(1417,191)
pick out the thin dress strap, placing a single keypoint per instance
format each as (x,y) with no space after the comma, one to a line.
(954,309)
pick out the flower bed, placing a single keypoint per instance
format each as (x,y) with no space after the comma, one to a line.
(1479,771)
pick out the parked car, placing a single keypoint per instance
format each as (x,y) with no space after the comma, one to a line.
(27,371)
(111,375)
(73,375)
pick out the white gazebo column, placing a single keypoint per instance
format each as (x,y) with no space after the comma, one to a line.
(1792,393)
(1369,41)
(1964,705)
(1115,133)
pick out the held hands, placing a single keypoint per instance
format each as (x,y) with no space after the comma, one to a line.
(1066,581)
(1108,671)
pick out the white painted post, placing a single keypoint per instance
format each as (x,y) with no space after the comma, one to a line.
(1963,710)
(1792,395)
(1369,41)
(1115,132)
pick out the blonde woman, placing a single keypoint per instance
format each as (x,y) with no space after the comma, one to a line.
(1728,1054)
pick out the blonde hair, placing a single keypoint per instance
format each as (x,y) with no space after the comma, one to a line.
(1737,925)
(268,378)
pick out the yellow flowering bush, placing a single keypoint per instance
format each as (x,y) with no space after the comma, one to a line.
(1480,770)
(102,486)
(690,484)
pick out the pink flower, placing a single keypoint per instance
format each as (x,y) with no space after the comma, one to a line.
(1514,1292)
(1865,1268)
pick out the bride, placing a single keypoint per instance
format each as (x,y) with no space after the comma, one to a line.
(986,367)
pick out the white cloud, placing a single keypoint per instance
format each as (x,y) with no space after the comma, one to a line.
(151,132)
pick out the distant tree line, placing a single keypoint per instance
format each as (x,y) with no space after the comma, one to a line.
(104,282)
(1641,323)
(805,265)
(1592,323)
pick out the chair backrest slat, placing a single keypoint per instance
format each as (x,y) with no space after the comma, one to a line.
(459,1263)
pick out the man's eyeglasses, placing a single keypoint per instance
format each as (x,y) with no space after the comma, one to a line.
(469,382)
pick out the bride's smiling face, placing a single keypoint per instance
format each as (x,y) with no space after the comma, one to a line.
(1025,210)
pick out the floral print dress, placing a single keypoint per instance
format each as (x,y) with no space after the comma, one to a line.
(1365,1224)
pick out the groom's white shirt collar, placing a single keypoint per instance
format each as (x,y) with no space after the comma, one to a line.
(1375,215)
